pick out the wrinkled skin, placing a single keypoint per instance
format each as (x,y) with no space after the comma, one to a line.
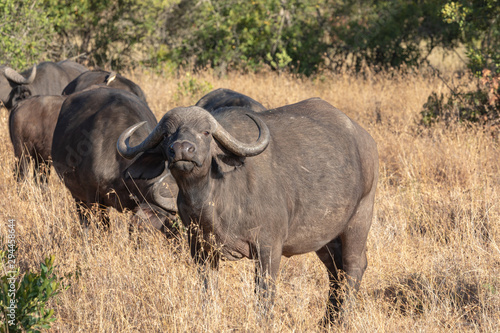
(100,77)
(31,126)
(85,157)
(221,97)
(311,189)
(50,79)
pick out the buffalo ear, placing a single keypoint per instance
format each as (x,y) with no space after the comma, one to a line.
(225,162)
(17,94)
(147,166)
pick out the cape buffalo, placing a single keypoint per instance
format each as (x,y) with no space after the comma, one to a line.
(110,79)
(222,97)
(85,157)
(306,183)
(46,78)
(31,126)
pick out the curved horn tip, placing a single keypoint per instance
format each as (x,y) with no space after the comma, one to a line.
(243,149)
(122,143)
(32,76)
(111,77)
(14,76)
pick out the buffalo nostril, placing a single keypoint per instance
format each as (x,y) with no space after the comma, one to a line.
(187,148)
(182,150)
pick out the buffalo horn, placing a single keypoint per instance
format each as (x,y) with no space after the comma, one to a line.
(111,77)
(169,204)
(239,148)
(130,152)
(14,76)
(219,133)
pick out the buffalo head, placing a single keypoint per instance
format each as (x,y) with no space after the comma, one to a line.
(189,149)
(13,86)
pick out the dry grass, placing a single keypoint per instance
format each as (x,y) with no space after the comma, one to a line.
(433,251)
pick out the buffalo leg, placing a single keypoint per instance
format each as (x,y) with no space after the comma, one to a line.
(204,254)
(83,213)
(348,253)
(207,258)
(41,170)
(103,213)
(266,271)
(331,256)
(22,166)
(81,210)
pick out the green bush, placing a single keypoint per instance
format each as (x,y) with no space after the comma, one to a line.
(385,34)
(106,30)
(25,33)
(480,31)
(479,25)
(294,35)
(463,106)
(191,87)
(247,34)
(30,296)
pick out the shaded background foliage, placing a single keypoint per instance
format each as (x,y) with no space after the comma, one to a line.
(299,36)
(304,37)
(388,33)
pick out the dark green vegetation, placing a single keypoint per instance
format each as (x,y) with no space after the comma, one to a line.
(299,36)
(304,37)
(479,27)
(24,302)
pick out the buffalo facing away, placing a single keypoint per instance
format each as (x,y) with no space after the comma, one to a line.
(222,97)
(46,78)
(100,77)
(287,181)
(85,157)
(31,126)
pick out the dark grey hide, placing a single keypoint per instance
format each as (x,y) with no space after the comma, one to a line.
(46,78)
(31,126)
(222,97)
(85,157)
(306,184)
(100,77)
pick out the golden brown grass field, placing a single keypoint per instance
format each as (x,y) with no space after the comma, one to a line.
(433,249)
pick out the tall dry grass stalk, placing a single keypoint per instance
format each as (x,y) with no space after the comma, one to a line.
(433,250)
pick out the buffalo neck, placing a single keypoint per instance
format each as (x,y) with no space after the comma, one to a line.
(204,199)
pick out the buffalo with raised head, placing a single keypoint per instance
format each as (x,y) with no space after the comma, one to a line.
(85,157)
(287,181)
(223,97)
(31,127)
(46,78)
(101,77)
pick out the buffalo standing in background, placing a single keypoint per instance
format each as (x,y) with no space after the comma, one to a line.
(32,121)
(222,97)
(85,157)
(31,126)
(100,77)
(46,78)
(302,180)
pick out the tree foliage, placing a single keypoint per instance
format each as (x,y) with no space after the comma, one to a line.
(25,32)
(247,34)
(387,33)
(107,30)
(478,23)
(300,36)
